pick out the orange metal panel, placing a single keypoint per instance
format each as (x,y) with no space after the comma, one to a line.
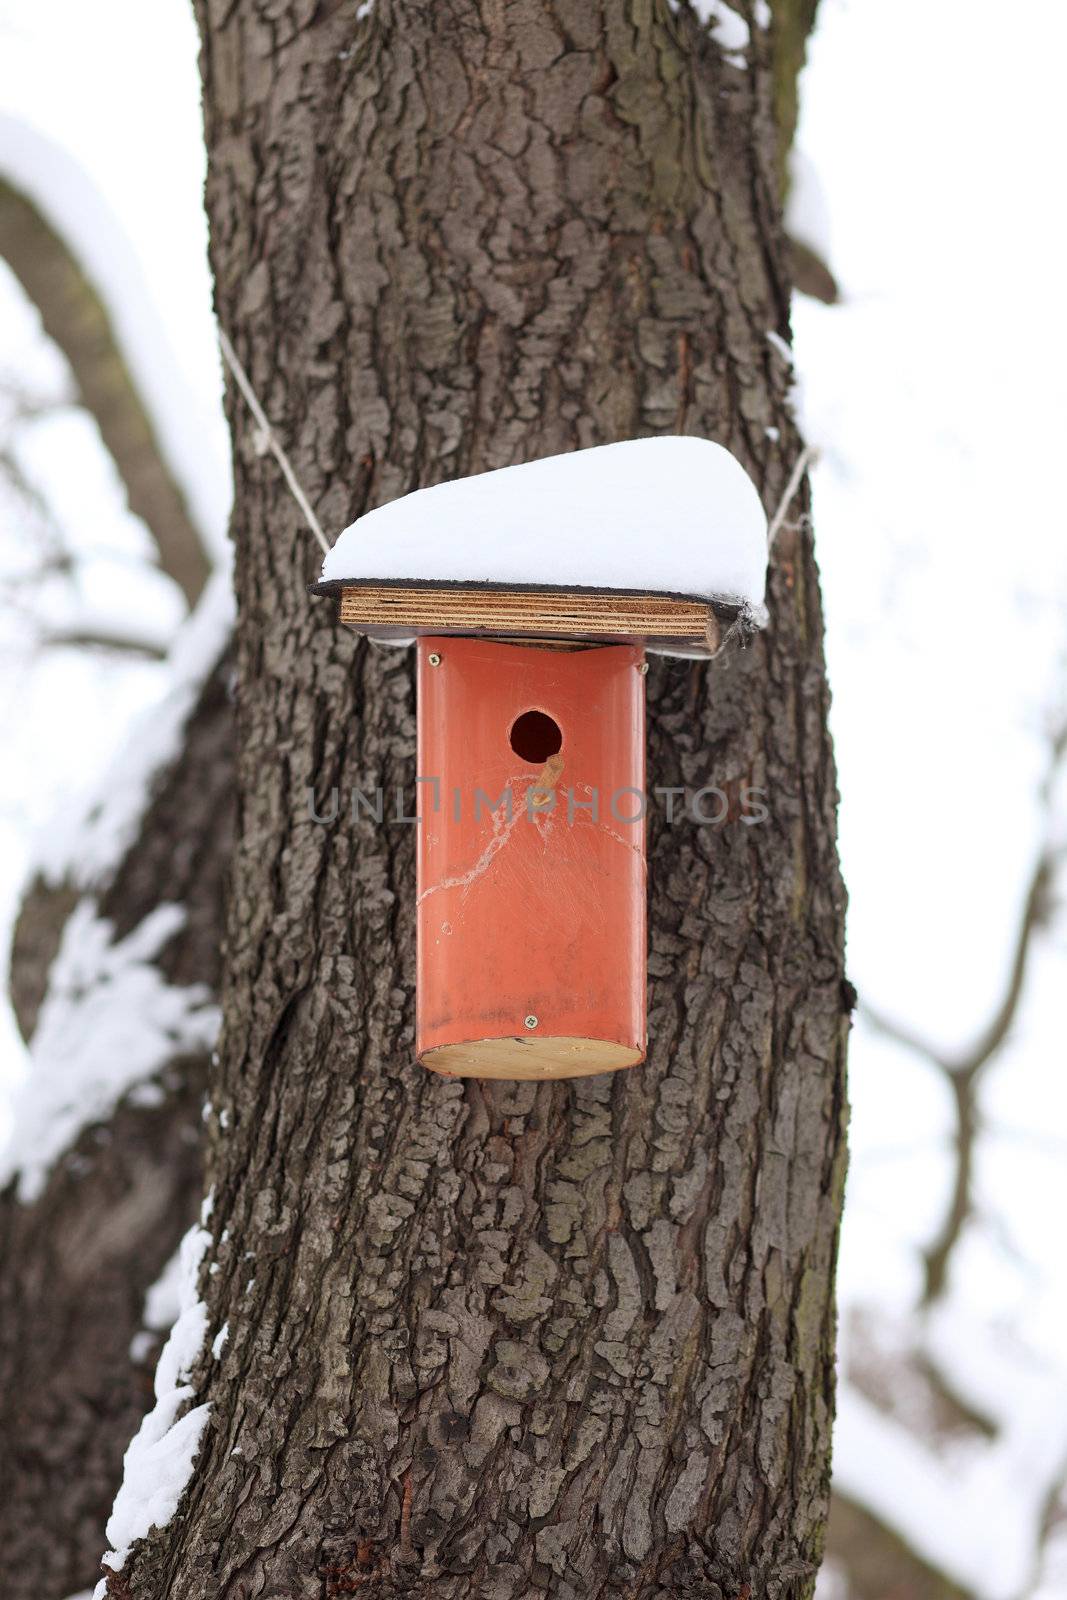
(531,907)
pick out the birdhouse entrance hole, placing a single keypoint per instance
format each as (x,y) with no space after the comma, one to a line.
(535,736)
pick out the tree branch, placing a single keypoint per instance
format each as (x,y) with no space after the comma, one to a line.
(98,639)
(74,316)
(964,1071)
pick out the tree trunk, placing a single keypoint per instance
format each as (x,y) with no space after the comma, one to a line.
(490,1339)
(76,1261)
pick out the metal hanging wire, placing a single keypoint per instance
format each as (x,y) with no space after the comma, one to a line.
(270,438)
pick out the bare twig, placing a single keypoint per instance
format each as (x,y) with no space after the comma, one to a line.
(93,639)
(965,1070)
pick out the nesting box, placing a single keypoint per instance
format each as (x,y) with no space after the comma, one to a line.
(531,871)
(532,594)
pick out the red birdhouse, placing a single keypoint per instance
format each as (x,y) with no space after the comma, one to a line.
(532,593)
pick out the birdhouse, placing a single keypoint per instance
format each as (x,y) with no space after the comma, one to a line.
(531,595)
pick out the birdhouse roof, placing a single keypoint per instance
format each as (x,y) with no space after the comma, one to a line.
(663,516)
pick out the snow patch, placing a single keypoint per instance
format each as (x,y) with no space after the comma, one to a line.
(109,1021)
(667,515)
(937,1496)
(162,1304)
(95,829)
(807,212)
(731,29)
(163,1301)
(159,1462)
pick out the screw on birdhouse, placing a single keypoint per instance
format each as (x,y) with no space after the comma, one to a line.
(531,1021)
(434,659)
(643,668)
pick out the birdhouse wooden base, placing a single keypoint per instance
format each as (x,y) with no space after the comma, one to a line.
(531,859)
(389,610)
(530,1058)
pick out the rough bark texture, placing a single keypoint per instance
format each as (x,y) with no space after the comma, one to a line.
(74,1265)
(507,1340)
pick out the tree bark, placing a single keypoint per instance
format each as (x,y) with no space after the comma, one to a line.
(77,1261)
(500,1340)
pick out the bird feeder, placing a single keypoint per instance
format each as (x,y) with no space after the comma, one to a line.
(531,595)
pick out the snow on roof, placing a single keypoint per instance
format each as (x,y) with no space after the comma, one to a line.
(664,516)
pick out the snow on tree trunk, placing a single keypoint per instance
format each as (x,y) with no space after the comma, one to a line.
(490,1339)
